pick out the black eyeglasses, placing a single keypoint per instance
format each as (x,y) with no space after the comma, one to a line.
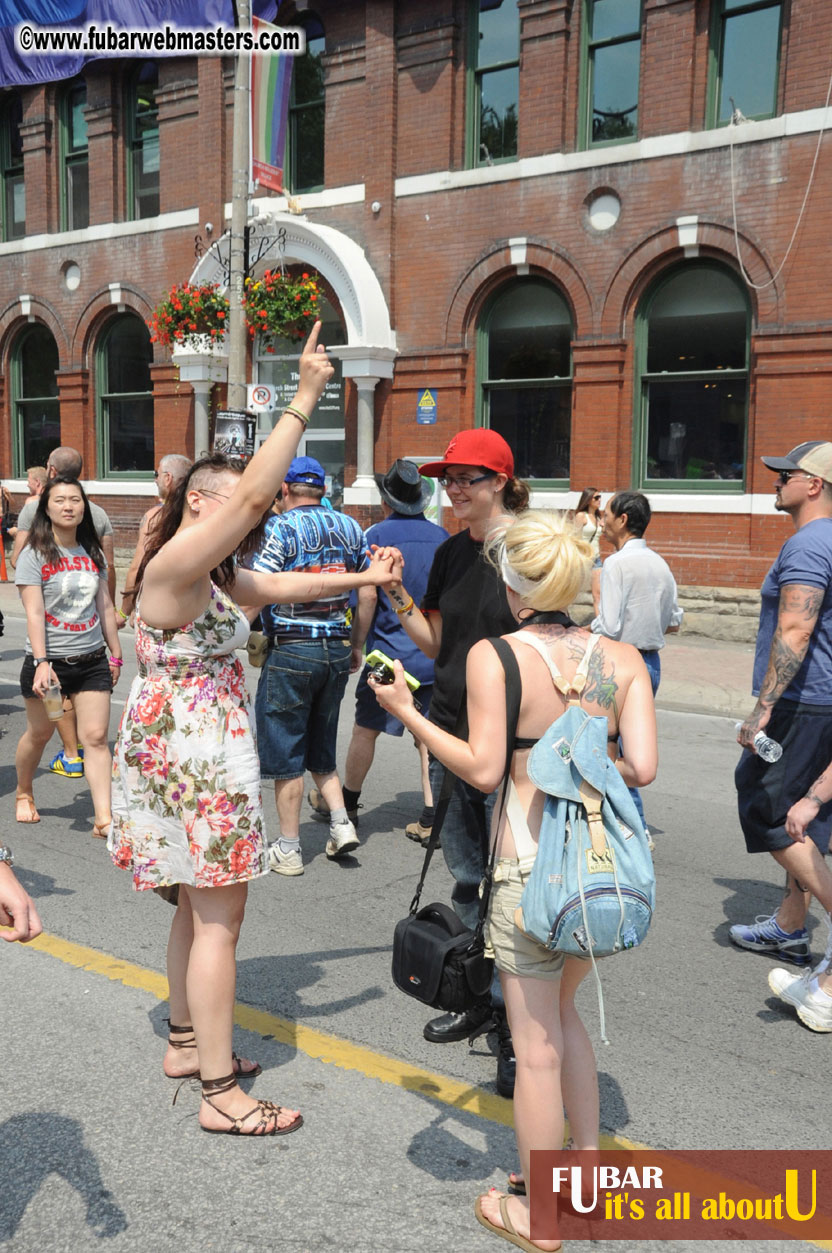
(464,482)
(155,474)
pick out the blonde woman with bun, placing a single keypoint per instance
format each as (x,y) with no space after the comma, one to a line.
(544,564)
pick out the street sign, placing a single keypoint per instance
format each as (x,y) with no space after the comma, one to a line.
(261,397)
(426,407)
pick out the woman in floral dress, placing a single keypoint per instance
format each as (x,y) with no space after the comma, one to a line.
(186,795)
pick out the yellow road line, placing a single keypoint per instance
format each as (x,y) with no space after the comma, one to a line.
(326,1048)
(329,1049)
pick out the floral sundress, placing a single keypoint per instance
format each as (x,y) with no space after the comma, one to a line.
(187,806)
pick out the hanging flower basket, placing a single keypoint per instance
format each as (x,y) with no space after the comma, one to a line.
(193,317)
(279,305)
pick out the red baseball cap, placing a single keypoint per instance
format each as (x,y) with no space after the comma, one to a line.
(480,447)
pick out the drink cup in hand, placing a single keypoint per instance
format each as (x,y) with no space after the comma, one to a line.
(53,701)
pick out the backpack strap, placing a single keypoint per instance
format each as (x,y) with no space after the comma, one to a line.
(571,692)
(591,798)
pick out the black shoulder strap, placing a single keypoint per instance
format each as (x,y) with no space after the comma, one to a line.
(513,696)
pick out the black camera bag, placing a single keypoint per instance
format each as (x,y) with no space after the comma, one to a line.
(436,958)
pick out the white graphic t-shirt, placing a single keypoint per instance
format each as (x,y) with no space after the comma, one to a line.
(70,586)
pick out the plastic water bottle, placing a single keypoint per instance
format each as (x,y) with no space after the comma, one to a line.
(766,748)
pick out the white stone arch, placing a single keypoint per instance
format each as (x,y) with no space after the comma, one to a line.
(370,350)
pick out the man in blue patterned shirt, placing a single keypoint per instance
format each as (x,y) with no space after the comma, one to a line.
(305,674)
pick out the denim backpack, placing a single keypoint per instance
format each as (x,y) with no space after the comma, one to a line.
(591,890)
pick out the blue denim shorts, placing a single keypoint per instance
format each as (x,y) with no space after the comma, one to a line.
(296,707)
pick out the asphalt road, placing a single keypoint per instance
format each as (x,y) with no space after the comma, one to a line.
(400,1135)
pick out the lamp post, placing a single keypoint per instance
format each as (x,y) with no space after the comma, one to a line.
(240,163)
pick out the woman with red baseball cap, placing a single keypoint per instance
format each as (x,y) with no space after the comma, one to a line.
(465,602)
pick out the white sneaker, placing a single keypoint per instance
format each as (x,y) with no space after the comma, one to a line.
(285,863)
(814,1008)
(342,839)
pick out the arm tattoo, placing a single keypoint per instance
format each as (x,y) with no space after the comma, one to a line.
(803,601)
(783,665)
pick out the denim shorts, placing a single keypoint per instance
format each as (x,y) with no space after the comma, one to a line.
(90,673)
(296,707)
(370,714)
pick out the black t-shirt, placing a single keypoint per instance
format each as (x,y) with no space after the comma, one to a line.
(471,597)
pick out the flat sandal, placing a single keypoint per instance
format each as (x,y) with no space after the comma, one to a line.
(266,1109)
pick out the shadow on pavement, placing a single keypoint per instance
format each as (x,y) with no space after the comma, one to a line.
(40,885)
(34,1146)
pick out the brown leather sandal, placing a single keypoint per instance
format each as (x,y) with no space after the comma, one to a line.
(268,1113)
(101,830)
(256,1069)
(34,816)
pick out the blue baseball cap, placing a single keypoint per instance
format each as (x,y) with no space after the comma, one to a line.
(306,470)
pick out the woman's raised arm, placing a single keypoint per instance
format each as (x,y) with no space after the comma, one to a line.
(183,560)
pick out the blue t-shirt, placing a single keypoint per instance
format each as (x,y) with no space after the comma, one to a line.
(805,558)
(310,537)
(417,540)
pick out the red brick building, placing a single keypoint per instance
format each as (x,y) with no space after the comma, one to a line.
(538,212)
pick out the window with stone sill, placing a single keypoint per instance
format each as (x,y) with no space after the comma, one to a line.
(692,348)
(124,399)
(35,407)
(75,157)
(612,56)
(13,198)
(493,81)
(524,366)
(142,115)
(304,161)
(744,59)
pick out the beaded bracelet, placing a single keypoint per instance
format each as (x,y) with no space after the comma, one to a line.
(116,661)
(406,608)
(297,413)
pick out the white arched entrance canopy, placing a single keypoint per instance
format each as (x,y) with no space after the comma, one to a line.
(370,350)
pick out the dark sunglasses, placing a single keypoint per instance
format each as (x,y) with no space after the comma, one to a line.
(784,476)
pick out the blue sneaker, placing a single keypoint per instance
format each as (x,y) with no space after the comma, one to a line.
(69,767)
(766,936)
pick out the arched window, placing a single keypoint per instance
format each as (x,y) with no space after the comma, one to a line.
(142,114)
(524,361)
(692,348)
(494,81)
(276,362)
(36,419)
(124,398)
(13,206)
(307,113)
(75,158)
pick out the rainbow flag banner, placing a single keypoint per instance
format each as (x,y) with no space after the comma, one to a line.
(271,78)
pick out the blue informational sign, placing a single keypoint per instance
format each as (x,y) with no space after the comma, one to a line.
(426,407)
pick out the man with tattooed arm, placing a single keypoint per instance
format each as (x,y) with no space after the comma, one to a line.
(782,803)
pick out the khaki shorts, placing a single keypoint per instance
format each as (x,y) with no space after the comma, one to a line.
(514,952)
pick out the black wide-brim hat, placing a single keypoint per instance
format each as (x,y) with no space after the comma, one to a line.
(403,488)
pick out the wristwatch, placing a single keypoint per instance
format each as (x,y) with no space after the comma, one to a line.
(6,854)
(39,660)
